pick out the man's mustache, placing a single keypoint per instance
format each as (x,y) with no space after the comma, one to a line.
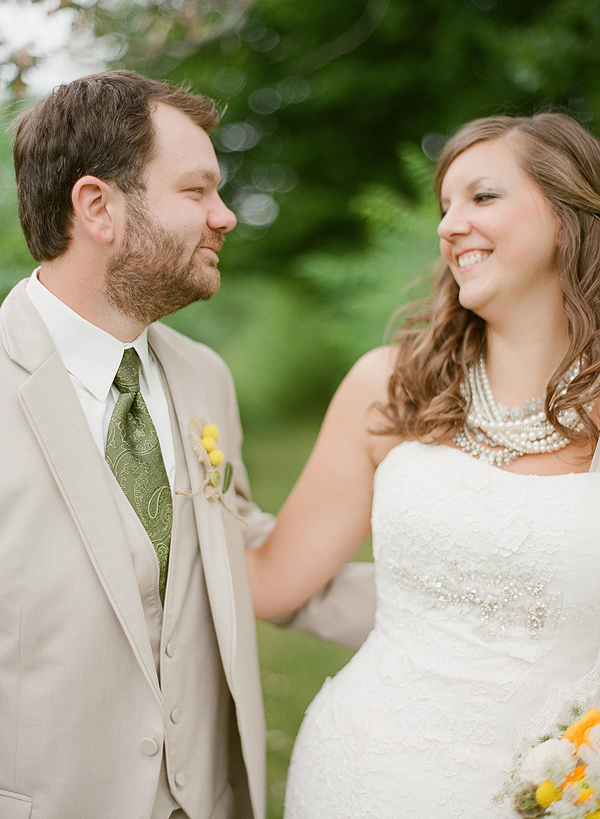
(212,239)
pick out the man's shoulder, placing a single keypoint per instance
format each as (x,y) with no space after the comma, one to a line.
(15,297)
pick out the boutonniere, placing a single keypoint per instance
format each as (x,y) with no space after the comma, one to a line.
(204,439)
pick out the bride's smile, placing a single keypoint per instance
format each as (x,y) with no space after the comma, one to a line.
(498,233)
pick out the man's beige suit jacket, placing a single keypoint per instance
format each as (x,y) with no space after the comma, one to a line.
(81,709)
(76,666)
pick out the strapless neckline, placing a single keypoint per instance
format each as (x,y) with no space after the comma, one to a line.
(456,452)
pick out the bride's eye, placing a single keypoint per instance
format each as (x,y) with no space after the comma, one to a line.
(484,197)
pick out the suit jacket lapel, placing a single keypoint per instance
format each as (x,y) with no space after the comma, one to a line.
(190,399)
(59,424)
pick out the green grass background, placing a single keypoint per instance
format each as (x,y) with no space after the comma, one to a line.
(293,665)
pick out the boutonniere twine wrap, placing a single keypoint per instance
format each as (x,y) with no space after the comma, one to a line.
(204,439)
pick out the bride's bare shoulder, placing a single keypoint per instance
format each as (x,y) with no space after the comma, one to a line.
(362,399)
(370,376)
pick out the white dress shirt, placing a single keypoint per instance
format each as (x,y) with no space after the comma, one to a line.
(92,358)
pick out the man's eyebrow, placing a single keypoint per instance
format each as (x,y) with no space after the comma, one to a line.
(195,178)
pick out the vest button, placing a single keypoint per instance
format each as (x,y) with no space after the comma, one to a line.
(175,715)
(180,779)
(149,747)
(170,649)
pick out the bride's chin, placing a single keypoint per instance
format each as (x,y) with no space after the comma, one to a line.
(474,300)
(467,301)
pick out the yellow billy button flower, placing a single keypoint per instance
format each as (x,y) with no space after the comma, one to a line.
(209,443)
(211,431)
(204,437)
(547,793)
(216,457)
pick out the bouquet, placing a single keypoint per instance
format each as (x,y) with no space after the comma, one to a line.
(561,776)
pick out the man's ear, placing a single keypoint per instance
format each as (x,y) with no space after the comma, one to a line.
(97,207)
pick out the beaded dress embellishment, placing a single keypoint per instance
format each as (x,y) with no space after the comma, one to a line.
(503,600)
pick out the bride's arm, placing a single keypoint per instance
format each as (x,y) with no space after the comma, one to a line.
(327,516)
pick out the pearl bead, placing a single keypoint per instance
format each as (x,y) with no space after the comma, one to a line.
(498,434)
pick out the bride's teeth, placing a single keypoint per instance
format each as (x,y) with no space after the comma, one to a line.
(472,258)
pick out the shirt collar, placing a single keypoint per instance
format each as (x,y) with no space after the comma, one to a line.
(90,354)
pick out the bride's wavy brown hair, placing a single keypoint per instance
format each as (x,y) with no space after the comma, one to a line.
(437,345)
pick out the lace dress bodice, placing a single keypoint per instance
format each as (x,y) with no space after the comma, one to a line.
(488,586)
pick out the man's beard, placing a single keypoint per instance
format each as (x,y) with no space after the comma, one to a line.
(147,278)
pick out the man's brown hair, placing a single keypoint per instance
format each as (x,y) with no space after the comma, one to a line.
(99,125)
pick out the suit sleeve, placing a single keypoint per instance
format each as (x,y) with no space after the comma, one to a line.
(343,612)
(259,523)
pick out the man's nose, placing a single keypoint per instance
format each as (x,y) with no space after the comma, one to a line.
(221,218)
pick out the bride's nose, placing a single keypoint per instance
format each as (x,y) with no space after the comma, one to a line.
(453,223)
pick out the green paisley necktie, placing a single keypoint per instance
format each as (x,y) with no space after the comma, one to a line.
(133,453)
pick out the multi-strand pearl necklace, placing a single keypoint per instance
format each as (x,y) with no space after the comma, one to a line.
(498,435)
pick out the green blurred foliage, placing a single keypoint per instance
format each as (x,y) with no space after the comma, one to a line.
(320,95)
(15,261)
(334,113)
(290,339)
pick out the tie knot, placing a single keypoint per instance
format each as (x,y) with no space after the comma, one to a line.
(127,378)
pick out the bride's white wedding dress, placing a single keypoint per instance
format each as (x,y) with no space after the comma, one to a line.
(488,588)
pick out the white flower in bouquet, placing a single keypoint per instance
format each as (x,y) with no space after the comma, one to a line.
(566,810)
(592,774)
(551,760)
(590,748)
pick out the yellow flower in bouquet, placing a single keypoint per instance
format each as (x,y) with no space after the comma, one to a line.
(547,793)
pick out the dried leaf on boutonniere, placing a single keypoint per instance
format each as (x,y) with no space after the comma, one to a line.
(204,437)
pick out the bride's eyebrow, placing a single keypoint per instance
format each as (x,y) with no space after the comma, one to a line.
(489,181)
(486,180)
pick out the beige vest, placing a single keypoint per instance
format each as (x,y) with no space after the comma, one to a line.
(198,707)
